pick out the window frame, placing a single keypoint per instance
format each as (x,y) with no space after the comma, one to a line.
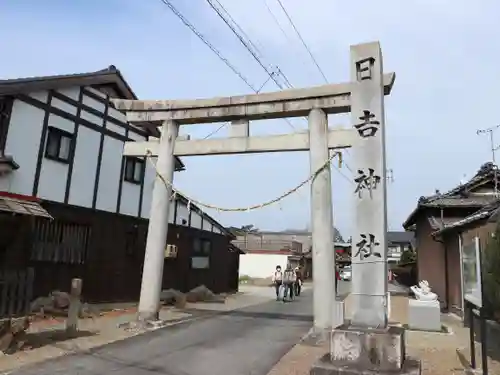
(56,135)
(202,250)
(136,162)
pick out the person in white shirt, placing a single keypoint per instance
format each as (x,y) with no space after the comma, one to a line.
(277,281)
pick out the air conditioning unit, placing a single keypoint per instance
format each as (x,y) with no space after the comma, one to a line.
(171,251)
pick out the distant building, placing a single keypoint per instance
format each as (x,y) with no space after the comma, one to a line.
(397,243)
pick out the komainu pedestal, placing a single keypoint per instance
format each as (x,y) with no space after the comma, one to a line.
(355,350)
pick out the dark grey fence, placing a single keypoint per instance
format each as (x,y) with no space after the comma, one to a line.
(16,292)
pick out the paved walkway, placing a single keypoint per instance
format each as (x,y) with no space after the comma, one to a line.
(441,354)
(47,338)
(245,341)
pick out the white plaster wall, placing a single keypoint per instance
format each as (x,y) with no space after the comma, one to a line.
(91,102)
(207,225)
(129,204)
(91,118)
(63,106)
(261,265)
(115,128)
(23,142)
(109,179)
(71,92)
(182,214)
(84,168)
(149,180)
(195,220)
(117,114)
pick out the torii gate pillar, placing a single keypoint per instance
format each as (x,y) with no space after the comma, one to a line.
(323,252)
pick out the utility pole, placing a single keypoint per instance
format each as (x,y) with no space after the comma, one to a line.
(492,142)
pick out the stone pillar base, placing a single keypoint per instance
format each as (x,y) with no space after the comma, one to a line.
(324,366)
(355,350)
(148,316)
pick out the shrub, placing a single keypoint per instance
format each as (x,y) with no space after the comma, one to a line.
(408,256)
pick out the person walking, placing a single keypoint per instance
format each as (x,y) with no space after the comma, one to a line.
(298,281)
(288,282)
(277,280)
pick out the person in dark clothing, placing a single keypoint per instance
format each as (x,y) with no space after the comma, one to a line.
(278,281)
(298,281)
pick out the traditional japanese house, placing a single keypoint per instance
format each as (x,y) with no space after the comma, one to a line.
(437,222)
(73,206)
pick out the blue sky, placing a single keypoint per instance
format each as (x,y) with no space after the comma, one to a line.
(445,54)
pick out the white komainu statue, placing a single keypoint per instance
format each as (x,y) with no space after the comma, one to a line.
(423,291)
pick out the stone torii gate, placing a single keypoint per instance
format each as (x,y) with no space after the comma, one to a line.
(364,96)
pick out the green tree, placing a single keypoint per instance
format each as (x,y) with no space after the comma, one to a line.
(408,256)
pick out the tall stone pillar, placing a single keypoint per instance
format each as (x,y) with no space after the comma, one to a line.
(152,273)
(323,255)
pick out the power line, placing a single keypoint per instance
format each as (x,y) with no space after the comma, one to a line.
(302,40)
(305,46)
(228,19)
(246,43)
(207,43)
(226,123)
(276,21)
(238,26)
(231,66)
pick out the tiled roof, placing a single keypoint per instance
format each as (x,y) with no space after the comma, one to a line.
(460,195)
(458,201)
(438,223)
(400,237)
(491,211)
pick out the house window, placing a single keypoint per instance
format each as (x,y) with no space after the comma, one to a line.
(202,247)
(134,170)
(58,145)
(200,258)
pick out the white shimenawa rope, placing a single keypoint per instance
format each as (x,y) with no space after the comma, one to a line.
(190,200)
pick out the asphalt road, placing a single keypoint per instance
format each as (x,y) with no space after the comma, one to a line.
(245,341)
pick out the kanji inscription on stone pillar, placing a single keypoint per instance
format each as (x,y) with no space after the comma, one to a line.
(369,252)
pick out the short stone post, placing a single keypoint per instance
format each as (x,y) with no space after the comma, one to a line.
(74,307)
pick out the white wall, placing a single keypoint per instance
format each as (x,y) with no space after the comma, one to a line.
(261,265)
(84,168)
(23,144)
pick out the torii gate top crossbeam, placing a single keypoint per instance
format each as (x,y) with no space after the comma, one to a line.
(333,98)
